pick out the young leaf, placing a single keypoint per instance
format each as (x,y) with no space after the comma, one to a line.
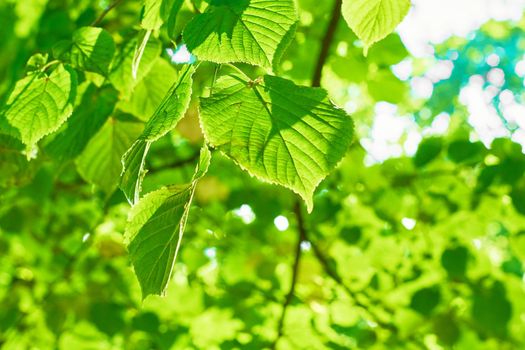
(99,163)
(170,111)
(373,20)
(240,30)
(148,94)
(121,74)
(151,17)
(91,49)
(155,228)
(159,12)
(280,132)
(39,104)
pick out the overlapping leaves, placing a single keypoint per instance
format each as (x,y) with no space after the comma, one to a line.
(155,228)
(165,118)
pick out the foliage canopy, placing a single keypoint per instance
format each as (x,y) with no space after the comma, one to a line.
(203,151)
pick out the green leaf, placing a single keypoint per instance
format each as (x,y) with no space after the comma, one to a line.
(39,104)
(155,228)
(169,11)
(99,163)
(89,116)
(517,194)
(204,163)
(247,31)
(455,261)
(491,309)
(151,16)
(280,132)
(148,94)
(172,107)
(426,300)
(464,151)
(383,85)
(373,20)
(139,52)
(164,119)
(428,150)
(282,47)
(121,75)
(159,12)
(91,49)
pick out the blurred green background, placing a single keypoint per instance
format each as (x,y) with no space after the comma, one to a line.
(417,240)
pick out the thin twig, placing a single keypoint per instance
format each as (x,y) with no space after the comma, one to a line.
(301,229)
(326,44)
(177,164)
(110,7)
(332,273)
(295,270)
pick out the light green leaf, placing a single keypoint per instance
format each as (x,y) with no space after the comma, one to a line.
(39,104)
(121,75)
(148,94)
(92,49)
(280,132)
(99,163)
(282,47)
(158,12)
(172,107)
(164,119)
(155,228)
(373,20)
(151,16)
(383,85)
(240,30)
(139,52)
(89,116)
(203,164)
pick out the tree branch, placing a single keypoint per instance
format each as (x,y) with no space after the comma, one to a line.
(177,164)
(326,44)
(110,7)
(301,229)
(295,269)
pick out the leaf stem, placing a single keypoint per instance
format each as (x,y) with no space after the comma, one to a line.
(237,69)
(49,64)
(327,43)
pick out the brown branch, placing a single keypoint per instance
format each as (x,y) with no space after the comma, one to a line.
(326,44)
(103,14)
(295,270)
